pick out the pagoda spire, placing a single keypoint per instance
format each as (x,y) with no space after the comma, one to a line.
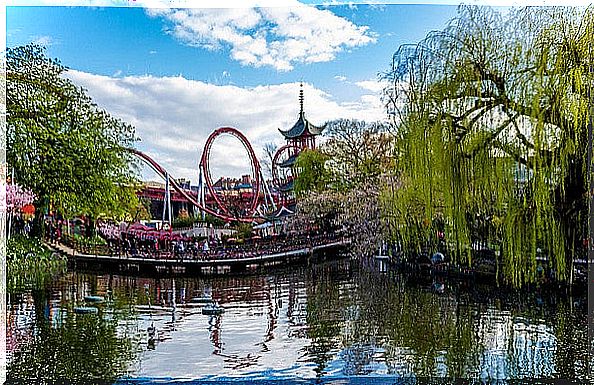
(301,99)
(302,128)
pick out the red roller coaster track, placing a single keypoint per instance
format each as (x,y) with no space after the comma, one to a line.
(204,166)
(255,165)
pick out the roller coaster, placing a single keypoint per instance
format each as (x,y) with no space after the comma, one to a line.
(261,199)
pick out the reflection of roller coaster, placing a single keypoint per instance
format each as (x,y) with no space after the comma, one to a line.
(257,203)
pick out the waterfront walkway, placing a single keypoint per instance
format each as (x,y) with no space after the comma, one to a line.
(202,266)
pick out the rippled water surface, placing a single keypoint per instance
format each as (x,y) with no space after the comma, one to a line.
(333,320)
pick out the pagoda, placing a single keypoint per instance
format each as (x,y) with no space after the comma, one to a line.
(301,136)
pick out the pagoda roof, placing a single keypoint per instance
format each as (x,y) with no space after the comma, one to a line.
(283,212)
(287,186)
(302,128)
(289,162)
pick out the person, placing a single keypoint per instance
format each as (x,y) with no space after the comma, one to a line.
(51,230)
(59,231)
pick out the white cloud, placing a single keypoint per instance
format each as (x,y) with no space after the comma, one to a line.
(45,41)
(372,85)
(276,37)
(340,78)
(174,116)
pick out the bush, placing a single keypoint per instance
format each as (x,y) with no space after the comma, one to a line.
(89,242)
(29,264)
(184,222)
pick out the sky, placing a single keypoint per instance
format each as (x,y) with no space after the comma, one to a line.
(177,75)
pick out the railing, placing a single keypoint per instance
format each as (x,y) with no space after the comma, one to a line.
(85,248)
(217,252)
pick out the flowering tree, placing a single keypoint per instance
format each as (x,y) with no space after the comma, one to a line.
(357,212)
(18,197)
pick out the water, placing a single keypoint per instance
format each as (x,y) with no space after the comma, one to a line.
(334,320)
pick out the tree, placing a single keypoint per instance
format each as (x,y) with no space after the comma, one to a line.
(318,210)
(358,151)
(312,175)
(269,151)
(339,185)
(142,211)
(492,119)
(60,144)
(244,230)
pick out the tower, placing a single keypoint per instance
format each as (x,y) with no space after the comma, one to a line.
(303,133)
(301,136)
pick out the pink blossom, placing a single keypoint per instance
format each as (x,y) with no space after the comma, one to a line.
(17,197)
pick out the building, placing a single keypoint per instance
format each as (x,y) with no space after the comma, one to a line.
(155,193)
(301,136)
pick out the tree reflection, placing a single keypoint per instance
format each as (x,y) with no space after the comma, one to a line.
(84,347)
(76,348)
(382,324)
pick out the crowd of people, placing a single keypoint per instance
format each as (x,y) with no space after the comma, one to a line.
(213,248)
(54,228)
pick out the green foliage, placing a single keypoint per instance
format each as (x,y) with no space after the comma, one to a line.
(244,230)
(29,264)
(60,144)
(179,223)
(80,349)
(189,221)
(141,212)
(210,219)
(89,241)
(492,115)
(312,175)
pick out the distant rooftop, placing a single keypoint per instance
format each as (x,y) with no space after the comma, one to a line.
(289,162)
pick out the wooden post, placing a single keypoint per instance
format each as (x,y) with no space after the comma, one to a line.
(590,238)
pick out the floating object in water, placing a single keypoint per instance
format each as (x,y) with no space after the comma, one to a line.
(86,310)
(202,300)
(152,331)
(94,298)
(438,287)
(212,309)
(437,258)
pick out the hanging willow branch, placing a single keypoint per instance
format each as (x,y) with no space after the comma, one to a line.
(491,118)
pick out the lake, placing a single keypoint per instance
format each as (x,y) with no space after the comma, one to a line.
(339,319)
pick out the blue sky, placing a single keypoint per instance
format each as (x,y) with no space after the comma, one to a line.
(177,75)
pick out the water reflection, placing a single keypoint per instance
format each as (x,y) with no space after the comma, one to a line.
(48,341)
(332,320)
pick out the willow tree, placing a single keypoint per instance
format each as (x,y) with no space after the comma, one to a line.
(60,144)
(491,116)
